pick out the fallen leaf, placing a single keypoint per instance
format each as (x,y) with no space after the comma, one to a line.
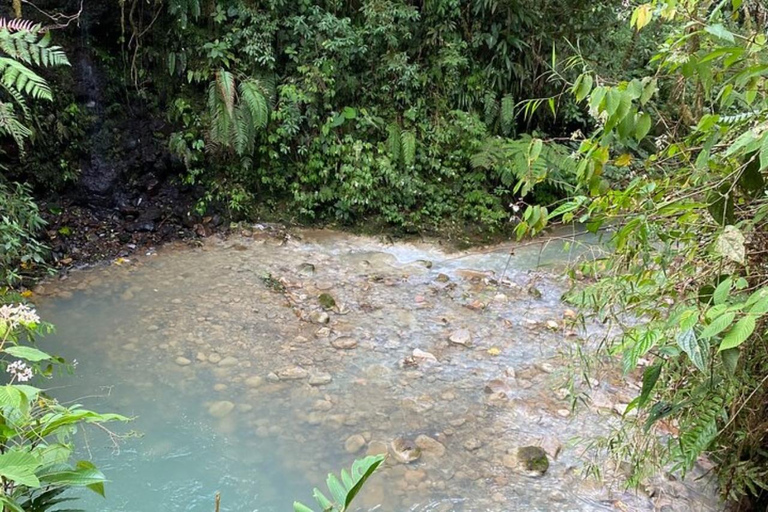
(494,351)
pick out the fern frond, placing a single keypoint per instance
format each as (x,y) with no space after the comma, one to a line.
(10,125)
(225,84)
(700,429)
(253,97)
(16,75)
(491,107)
(19,99)
(507,117)
(393,142)
(17,24)
(408,142)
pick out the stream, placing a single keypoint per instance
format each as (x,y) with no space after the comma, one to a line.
(255,365)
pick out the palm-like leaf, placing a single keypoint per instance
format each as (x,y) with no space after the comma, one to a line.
(345,490)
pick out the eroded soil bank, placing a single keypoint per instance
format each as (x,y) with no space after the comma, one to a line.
(255,365)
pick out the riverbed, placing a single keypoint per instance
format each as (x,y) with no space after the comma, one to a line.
(254,365)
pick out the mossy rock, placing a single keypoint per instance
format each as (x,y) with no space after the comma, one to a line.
(533,460)
(326,301)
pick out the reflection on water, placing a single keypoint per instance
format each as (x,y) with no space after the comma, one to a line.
(239,385)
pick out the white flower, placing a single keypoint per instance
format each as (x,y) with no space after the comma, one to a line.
(20,371)
(21,315)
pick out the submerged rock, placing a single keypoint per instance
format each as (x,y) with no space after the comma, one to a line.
(421,356)
(430,446)
(228,362)
(344,343)
(461,337)
(183,361)
(293,373)
(326,301)
(320,379)
(221,408)
(254,381)
(529,460)
(404,451)
(354,443)
(319,317)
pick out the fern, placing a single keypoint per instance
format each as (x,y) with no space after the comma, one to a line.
(344,491)
(236,112)
(507,114)
(700,429)
(10,125)
(491,108)
(393,142)
(408,142)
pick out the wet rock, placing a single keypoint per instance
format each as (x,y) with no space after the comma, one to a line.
(552,325)
(534,292)
(472,444)
(497,387)
(377,448)
(221,408)
(552,446)
(344,343)
(323,285)
(293,373)
(529,460)
(320,379)
(442,278)
(153,328)
(415,476)
(201,357)
(272,377)
(322,405)
(404,451)
(319,317)
(228,362)
(430,446)
(220,387)
(183,361)
(461,337)
(421,356)
(377,371)
(214,358)
(306,269)
(326,301)
(354,443)
(323,332)
(254,381)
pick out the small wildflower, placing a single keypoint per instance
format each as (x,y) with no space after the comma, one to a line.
(21,315)
(20,371)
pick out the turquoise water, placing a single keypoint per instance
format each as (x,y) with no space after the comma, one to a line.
(178,338)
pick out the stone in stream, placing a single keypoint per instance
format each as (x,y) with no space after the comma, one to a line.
(228,362)
(292,373)
(306,269)
(404,451)
(183,361)
(254,381)
(221,408)
(461,337)
(326,301)
(497,388)
(319,317)
(354,443)
(429,446)
(421,356)
(529,460)
(344,343)
(377,448)
(214,358)
(320,379)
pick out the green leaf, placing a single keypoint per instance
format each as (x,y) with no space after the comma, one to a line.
(739,333)
(28,353)
(721,205)
(362,470)
(718,30)
(764,153)
(687,341)
(650,377)
(84,475)
(718,325)
(730,359)
(722,291)
(321,500)
(298,507)
(643,126)
(337,490)
(20,467)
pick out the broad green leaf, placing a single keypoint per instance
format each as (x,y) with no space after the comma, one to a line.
(20,467)
(718,325)
(730,244)
(643,126)
(363,469)
(687,341)
(28,353)
(722,291)
(738,333)
(730,359)
(718,30)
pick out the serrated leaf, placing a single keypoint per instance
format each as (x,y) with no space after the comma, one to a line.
(718,325)
(730,244)
(687,341)
(738,333)
(20,467)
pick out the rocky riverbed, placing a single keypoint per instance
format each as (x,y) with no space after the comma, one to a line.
(256,364)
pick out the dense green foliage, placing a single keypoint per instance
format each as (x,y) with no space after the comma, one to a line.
(686,214)
(349,111)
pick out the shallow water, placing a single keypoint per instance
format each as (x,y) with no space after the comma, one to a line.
(175,339)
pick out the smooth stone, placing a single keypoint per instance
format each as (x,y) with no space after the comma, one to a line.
(430,446)
(532,460)
(214,358)
(183,361)
(220,387)
(254,381)
(221,409)
(344,343)
(354,443)
(377,448)
(472,444)
(320,379)
(319,317)
(228,362)
(293,373)
(423,356)
(461,337)
(415,476)
(153,328)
